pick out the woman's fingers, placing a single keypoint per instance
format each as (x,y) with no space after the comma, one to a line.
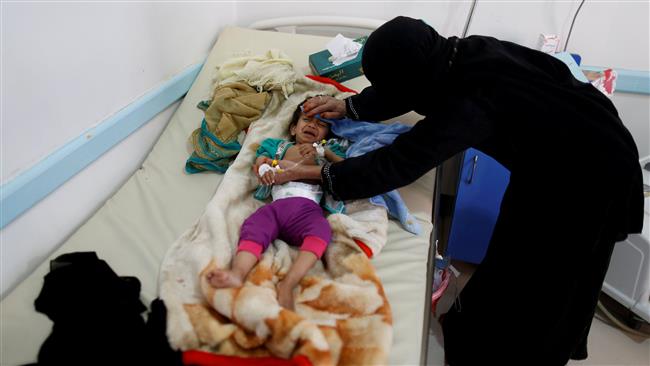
(287,165)
(289,171)
(284,176)
(318,104)
(311,103)
(319,109)
(332,108)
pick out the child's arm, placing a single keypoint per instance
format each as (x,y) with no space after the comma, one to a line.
(264,152)
(267,179)
(331,156)
(262,159)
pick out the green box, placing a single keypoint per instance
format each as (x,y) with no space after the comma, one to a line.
(321,66)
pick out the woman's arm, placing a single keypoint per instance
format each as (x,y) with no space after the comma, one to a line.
(292,171)
(370,105)
(412,154)
(367,106)
(459,124)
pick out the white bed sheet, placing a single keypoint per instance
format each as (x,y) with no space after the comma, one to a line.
(133,229)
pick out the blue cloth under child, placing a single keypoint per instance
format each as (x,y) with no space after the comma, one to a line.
(368,136)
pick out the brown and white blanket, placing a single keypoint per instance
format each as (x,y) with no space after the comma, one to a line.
(342,315)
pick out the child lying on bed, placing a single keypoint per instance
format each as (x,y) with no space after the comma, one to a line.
(294,216)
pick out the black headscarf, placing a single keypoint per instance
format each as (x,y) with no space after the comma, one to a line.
(404,50)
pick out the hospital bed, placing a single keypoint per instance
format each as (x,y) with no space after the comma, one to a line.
(133,230)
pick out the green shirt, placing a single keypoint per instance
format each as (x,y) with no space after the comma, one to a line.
(269,147)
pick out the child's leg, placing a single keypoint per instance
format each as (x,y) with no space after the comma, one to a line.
(257,232)
(312,230)
(311,250)
(303,263)
(241,265)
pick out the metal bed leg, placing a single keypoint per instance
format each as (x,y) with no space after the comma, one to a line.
(431,260)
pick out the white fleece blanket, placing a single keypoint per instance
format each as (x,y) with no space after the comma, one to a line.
(342,315)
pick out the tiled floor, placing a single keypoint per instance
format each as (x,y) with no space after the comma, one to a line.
(607,345)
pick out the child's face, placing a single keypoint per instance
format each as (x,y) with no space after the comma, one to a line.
(309,130)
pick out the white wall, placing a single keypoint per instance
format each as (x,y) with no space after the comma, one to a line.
(613,34)
(448,18)
(610,34)
(634,110)
(68,66)
(65,68)
(29,239)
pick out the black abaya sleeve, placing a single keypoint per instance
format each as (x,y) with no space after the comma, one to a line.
(373,107)
(430,142)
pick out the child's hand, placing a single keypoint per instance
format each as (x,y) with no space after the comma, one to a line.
(268,178)
(259,161)
(307,151)
(331,156)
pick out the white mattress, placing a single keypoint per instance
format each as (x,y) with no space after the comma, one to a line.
(134,228)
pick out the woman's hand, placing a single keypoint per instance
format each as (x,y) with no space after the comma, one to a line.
(291,171)
(328,107)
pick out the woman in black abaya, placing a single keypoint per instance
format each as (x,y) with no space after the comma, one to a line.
(575,185)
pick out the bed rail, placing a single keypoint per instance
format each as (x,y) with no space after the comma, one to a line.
(290,24)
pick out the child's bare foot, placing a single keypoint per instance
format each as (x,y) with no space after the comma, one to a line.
(224,279)
(285,295)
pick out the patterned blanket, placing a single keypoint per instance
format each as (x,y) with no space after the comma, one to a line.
(341,317)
